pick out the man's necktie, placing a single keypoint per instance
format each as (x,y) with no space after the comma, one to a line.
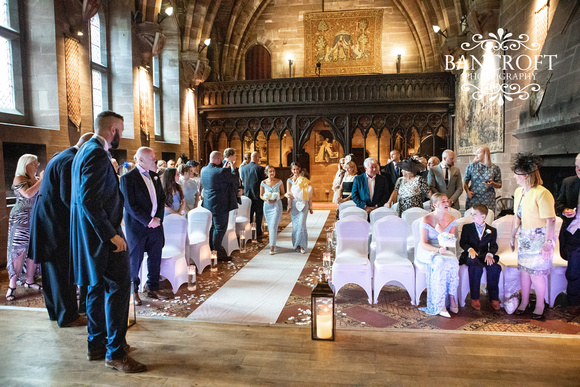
(446,176)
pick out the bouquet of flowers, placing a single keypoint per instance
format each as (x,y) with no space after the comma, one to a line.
(271,196)
(446,239)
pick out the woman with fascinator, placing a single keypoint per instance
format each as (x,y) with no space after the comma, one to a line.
(410,187)
(299,194)
(534,226)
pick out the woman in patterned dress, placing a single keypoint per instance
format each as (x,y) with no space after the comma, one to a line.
(536,221)
(410,188)
(25,186)
(484,177)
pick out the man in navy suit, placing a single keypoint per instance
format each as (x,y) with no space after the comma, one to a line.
(252,176)
(50,236)
(479,244)
(567,207)
(220,184)
(370,190)
(98,247)
(144,210)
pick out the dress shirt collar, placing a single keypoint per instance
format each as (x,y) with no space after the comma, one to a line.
(103,142)
(143,171)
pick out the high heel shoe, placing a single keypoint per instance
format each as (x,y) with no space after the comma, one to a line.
(444,313)
(538,316)
(10,294)
(272,251)
(519,312)
(33,285)
(454,309)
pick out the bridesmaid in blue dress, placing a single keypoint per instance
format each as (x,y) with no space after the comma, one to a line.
(272,190)
(299,206)
(174,198)
(443,266)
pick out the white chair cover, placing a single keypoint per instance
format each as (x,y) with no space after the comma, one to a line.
(346,204)
(380,213)
(352,264)
(427,205)
(455,213)
(391,265)
(199,224)
(410,216)
(230,241)
(420,269)
(353,211)
(243,226)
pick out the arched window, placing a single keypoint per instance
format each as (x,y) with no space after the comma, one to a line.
(258,63)
(10,68)
(157,98)
(100,85)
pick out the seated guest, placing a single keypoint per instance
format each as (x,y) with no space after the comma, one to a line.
(410,188)
(432,162)
(443,268)
(171,164)
(479,244)
(347,182)
(189,186)
(371,190)
(337,182)
(174,199)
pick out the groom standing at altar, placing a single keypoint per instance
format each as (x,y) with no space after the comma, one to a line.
(252,176)
(371,190)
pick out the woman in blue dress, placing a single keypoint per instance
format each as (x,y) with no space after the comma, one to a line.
(174,198)
(442,264)
(481,180)
(272,190)
(299,195)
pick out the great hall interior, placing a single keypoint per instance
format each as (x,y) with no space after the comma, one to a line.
(306,81)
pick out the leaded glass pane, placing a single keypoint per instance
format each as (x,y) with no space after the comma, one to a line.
(97,93)
(4,19)
(156,71)
(157,113)
(95,28)
(6,75)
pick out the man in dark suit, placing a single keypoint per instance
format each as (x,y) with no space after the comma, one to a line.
(220,184)
(567,205)
(370,190)
(144,210)
(479,244)
(98,247)
(391,170)
(50,237)
(445,178)
(252,176)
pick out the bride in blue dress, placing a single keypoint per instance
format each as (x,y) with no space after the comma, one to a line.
(300,194)
(272,190)
(442,264)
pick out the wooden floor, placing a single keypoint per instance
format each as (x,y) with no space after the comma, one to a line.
(34,351)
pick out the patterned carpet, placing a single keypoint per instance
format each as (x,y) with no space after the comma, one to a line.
(393,310)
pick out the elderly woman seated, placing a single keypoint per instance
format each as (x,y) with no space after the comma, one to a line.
(410,188)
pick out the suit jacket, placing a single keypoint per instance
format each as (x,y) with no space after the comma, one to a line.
(96,212)
(252,176)
(568,198)
(360,191)
(220,187)
(453,190)
(50,218)
(138,204)
(389,171)
(470,239)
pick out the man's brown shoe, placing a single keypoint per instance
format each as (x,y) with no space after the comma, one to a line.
(475,304)
(126,364)
(495,304)
(158,294)
(137,298)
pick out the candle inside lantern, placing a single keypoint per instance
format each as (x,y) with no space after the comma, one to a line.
(324,322)
(242,244)
(213,260)
(191,278)
(326,259)
(253,232)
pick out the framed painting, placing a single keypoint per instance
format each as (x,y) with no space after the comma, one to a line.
(343,42)
(326,148)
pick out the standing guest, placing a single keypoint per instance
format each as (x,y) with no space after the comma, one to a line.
(300,194)
(371,190)
(567,206)
(484,177)
(479,244)
(161,164)
(445,178)
(247,160)
(220,183)
(391,170)
(410,188)
(144,199)
(182,159)
(433,161)
(230,157)
(189,186)
(195,177)
(50,237)
(252,176)
(171,163)
(99,250)
(347,182)
(174,198)
(272,190)
(337,182)
(536,221)
(443,267)
(25,186)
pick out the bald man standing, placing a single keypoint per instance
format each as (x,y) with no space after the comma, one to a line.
(445,178)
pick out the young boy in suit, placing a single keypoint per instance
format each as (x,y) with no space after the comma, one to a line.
(479,244)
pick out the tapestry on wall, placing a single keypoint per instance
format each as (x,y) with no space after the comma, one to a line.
(344,42)
(479,119)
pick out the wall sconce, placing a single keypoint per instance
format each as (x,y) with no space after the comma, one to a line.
(166,10)
(204,45)
(438,30)
(75,33)
(463,23)
(398,64)
(317,69)
(290,63)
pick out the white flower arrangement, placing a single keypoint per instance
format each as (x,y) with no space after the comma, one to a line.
(271,196)
(446,239)
(487,231)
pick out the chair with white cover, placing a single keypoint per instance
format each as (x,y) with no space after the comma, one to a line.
(352,264)
(230,241)
(455,213)
(410,216)
(173,258)
(243,226)
(348,203)
(353,211)
(488,219)
(199,224)
(391,265)
(557,282)
(427,205)
(380,213)
(420,268)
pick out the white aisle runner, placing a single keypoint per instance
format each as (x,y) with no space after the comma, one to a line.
(259,291)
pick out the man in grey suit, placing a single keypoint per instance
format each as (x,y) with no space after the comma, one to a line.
(445,178)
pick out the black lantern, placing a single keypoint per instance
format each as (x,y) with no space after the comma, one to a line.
(322,306)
